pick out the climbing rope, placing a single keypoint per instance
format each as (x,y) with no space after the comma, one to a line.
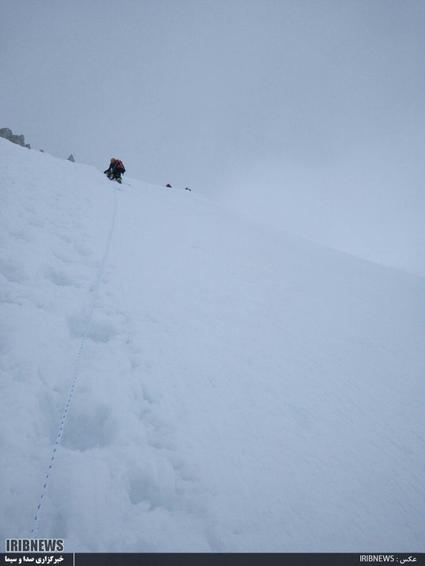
(94,290)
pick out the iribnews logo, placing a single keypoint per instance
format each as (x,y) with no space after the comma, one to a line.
(36,545)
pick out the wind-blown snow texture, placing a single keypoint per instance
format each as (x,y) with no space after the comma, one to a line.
(238,390)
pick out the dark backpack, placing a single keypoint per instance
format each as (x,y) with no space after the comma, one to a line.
(119,166)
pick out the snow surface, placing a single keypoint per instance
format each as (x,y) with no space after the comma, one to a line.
(238,389)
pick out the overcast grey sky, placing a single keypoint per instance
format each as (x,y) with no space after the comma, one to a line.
(309,113)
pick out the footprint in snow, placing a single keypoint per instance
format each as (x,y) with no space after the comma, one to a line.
(12,271)
(100,331)
(86,430)
(60,278)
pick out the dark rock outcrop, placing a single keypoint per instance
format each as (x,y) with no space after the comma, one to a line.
(14,138)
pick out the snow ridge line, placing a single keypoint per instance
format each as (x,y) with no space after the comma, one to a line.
(94,290)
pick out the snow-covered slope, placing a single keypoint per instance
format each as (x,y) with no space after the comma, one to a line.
(235,389)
